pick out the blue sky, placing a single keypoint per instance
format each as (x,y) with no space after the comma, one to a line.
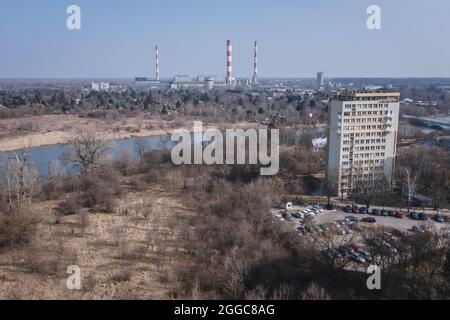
(296,38)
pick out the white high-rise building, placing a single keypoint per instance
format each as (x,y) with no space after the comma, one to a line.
(362,139)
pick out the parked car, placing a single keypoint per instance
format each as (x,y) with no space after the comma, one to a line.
(298,215)
(358,258)
(399,214)
(355,209)
(414,215)
(384,213)
(310,214)
(418,229)
(301,230)
(369,220)
(355,226)
(391,213)
(365,255)
(329,206)
(439,218)
(423,216)
(351,218)
(287,216)
(375,212)
(363,210)
(347,230)
(347,209)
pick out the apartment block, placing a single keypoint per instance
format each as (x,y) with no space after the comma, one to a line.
(362,138)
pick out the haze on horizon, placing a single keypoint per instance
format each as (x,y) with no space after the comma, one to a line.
(296,38)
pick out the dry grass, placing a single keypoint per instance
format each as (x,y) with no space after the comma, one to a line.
(121,255)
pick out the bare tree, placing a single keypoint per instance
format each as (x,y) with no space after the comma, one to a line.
(141,147)
(88,150)
(411,180)
(368,184)
(20,178)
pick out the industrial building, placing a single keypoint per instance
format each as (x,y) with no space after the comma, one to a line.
(362,139)
(100,86)
(207,82)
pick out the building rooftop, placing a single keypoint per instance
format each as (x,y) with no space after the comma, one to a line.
(364,95)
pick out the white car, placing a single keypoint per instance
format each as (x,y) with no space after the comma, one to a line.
(310,214)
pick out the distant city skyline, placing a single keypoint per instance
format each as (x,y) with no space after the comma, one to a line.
(296,39)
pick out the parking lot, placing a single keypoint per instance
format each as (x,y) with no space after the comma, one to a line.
(350,247)
(404,224)
(330,216)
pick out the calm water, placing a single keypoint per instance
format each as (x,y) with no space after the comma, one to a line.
(42,157)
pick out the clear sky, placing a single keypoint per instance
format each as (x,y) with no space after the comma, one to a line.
(296,38)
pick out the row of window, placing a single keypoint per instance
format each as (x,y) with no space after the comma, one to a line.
(364,155)
(366,127)
(359,120)
(367,106)
(369,113)
(364,141)
(364,135)
(366,148)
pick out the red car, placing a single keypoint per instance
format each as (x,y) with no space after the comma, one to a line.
(355,209)
(399,214)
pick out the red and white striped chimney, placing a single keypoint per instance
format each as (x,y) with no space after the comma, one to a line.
(255,63)
(157,63)
(229,61)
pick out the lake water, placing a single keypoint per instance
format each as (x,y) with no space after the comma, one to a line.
(43,156)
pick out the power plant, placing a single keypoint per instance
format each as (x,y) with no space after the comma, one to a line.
(200,82)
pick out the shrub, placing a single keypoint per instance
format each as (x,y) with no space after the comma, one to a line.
(16,227)
(95,192)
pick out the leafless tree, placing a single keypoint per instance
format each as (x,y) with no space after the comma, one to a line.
(141,147)
(411,180)
(368,184)
(20,178)
(88,150)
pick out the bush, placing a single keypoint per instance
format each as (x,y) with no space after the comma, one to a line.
(51,190)
(16,227)
(95,192)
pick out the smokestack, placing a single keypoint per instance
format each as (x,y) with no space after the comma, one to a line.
(255,64)
(229,61)
(157,63)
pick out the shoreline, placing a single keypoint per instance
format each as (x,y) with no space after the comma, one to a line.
(60,138)
(57,129)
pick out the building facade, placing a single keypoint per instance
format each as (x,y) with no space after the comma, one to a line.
(319,80)
(362,138)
